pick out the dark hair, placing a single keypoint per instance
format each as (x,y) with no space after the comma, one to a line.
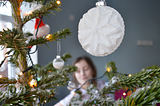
(90,63)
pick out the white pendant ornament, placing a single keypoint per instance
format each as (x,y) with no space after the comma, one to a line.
(58,62)
(71,85)
(101,30)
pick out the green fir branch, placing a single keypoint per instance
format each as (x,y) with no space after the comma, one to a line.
(16,98)
(44,10)
(57,35)
(5,81)
(146,96)
(59,77)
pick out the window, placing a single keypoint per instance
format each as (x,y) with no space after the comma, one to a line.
(4,25)
(6,9)
(5,22)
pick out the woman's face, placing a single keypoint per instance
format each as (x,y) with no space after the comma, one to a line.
(84,72)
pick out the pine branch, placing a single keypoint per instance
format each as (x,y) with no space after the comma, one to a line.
(136,80)
(25,96)
(5,81)
(144,96)
(139,79)
(13,39)
(53,37)
(66,56)
(59,77)
(44,10)
(15,97)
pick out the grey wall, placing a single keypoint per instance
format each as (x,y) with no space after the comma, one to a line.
(142,22)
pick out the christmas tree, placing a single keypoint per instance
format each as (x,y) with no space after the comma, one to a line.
(35,84)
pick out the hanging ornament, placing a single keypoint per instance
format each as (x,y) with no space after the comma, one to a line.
(43,29)
(71,85)
(58,62)
(101,30)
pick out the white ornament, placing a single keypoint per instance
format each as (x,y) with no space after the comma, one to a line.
(58,63)
(101,30)
(71,85)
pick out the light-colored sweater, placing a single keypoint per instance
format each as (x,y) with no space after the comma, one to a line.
(85,96)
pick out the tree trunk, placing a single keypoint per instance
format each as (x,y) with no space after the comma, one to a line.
(18,24)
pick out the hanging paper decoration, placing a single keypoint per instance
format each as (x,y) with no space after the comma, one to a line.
(101,30)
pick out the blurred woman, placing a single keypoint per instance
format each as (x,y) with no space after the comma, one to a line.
(86,70)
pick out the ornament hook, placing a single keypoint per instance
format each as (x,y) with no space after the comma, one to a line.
(101,3)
